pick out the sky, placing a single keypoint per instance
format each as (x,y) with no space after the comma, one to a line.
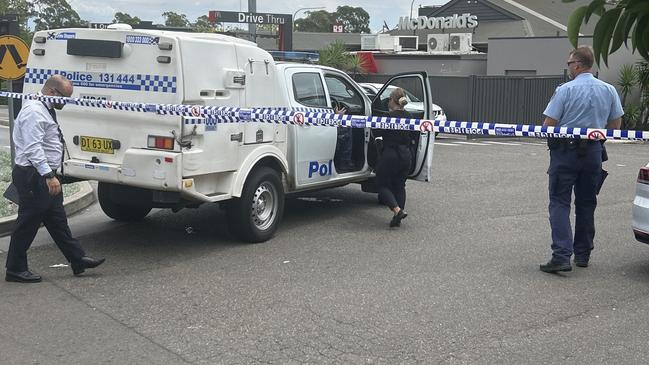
(101,11)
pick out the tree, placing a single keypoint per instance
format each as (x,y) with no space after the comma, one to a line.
(53,14)
(125,18)
(315,21)
(354,20)
(176,20)
(203,25)
(627,18)
(335,55)
(24,10)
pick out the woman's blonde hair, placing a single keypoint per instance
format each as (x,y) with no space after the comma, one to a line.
(399,96)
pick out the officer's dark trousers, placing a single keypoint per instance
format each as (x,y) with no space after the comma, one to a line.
(569,170)
(36,206)
(391,174)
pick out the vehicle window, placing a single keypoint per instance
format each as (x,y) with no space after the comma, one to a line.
(369,91)
(414,93)
(308,89)
(341,91)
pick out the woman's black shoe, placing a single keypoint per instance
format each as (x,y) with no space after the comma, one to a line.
(396,220)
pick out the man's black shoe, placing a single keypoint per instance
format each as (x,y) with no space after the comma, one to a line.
(553,267)
(22,277)
(581,263)
(396,220)
(86,263)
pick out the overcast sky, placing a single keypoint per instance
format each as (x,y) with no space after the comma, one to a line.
(102,11)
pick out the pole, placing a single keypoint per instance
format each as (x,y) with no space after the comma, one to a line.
(414,32)
(252,28)
(10,110)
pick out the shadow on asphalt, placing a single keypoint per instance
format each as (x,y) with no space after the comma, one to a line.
(637,270)
(165,238)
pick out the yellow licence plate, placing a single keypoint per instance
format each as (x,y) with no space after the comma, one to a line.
(96,144)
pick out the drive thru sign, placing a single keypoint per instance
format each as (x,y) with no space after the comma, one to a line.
(13,57)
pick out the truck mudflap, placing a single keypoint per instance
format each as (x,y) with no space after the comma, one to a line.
(144,168)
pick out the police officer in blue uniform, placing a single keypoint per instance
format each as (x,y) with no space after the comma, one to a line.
(584,102)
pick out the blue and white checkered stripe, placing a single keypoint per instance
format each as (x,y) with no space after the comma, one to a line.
(211,115)
(537,131)
(38,75)
(155,83)
(312,110)
(107,104)
(277,116)
(158,83)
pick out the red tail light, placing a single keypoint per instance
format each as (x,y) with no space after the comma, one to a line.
(643,175)
(165,143)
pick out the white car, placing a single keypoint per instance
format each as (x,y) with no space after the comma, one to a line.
(640,223)
(414,104)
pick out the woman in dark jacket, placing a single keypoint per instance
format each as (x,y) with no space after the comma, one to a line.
(394,162)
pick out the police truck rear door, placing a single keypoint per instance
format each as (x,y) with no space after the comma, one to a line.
(112,65)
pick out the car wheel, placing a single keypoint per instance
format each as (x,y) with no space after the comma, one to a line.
(255,216)
(119,212)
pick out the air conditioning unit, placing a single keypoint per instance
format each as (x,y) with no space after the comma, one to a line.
(378,42)
(408,42)
(437,42)
(369,42)
(460,42)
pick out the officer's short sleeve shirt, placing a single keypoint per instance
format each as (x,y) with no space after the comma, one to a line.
(584,102)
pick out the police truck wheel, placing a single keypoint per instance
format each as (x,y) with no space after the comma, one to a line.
(255,216)
(119,212)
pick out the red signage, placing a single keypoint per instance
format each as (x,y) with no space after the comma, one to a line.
(211,16)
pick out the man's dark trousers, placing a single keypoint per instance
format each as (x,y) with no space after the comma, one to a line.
(570,168)
(36,206)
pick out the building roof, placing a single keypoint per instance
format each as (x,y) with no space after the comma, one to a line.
(508,18)
(496,19)
(541,14)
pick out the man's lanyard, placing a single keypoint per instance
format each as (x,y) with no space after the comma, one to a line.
(58,128)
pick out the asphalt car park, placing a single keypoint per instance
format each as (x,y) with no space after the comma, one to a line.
(457,283)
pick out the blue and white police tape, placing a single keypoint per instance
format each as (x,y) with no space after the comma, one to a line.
(303,116)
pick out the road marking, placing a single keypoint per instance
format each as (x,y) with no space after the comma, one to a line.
(533,144)
(490,143)
(471,143)
(503,143)
(447,144)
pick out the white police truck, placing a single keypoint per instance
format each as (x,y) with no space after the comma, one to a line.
(146,160)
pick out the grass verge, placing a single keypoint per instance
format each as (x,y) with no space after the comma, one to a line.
(8,208)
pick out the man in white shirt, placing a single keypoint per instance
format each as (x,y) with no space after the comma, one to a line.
(39,152)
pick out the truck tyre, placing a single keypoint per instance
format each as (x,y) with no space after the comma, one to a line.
(119,212)
(255,216)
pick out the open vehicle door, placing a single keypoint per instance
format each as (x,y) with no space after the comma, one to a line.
(417,88)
